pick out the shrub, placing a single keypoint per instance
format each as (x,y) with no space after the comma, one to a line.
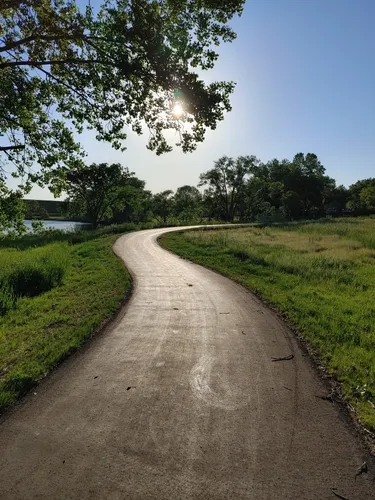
(30,273)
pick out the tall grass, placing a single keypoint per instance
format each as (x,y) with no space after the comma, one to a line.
(82,286)
(321,276)
(30,273)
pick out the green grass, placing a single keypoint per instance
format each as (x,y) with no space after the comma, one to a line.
(321,276)
(28,274)
(80,286)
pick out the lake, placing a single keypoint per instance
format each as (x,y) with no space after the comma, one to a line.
(65,225)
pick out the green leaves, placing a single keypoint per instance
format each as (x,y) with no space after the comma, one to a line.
(99,191)
(63,69)
(226,184)
(11,211)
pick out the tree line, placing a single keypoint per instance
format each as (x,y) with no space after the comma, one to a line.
(242,189)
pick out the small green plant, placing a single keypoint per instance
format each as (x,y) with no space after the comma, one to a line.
(38,226)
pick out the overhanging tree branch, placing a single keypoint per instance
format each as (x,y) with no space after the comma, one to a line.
(53,62)
(52,38)
(72,89)
(12,148)
(13,4)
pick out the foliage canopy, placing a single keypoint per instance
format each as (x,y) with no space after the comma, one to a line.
(120,67)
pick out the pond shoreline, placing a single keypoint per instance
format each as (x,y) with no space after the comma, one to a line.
(64,225)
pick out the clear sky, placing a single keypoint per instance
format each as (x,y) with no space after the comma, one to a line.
(305,73)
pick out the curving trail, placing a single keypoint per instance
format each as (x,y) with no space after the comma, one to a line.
(180,400)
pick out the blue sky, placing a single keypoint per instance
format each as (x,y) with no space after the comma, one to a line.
(305,74)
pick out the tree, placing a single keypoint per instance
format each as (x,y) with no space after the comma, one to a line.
(97,191)
(187,203)
(162,204)
(11,211)
(33,210)
(226,182)
(263,196)
(361,195)
(299,188)
(367,197)
(135,202)
(63,68)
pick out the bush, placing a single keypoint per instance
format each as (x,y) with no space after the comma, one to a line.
(30,273)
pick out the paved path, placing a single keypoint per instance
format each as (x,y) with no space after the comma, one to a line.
(180,400)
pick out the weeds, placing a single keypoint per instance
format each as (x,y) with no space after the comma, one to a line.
(30,273)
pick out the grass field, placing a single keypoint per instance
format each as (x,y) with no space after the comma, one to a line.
(54,297)
(320,275)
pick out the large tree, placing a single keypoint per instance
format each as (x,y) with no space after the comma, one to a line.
(97,191)
(162,204)
(188,203)
(226,183)
(299,187)
(127,65)
(11,210)
(362,195)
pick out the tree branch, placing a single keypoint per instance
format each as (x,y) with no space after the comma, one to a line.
(53,62)
(51,38)
(11,148)
(12,4)
(82,96)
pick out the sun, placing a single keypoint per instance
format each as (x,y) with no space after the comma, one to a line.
(178,110)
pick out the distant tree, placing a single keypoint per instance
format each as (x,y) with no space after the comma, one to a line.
(134,203)
(34,210)
(361,195)
(97,191)
(187,203)
(367,197)
(162,205)
(226,183)
(298,188)
(260,195)
(337,197)
(11,211)
(292,205)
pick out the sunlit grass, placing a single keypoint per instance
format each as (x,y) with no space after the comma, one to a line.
(40,331)
(321,276)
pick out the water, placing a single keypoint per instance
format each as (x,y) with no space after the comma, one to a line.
(65,225)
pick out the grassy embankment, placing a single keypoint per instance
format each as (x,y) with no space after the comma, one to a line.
(56,289)
(321,276)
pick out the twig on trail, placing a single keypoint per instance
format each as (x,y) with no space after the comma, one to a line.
(361,470)
(327,397)
(339,496)
(283,358)
(287,388)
